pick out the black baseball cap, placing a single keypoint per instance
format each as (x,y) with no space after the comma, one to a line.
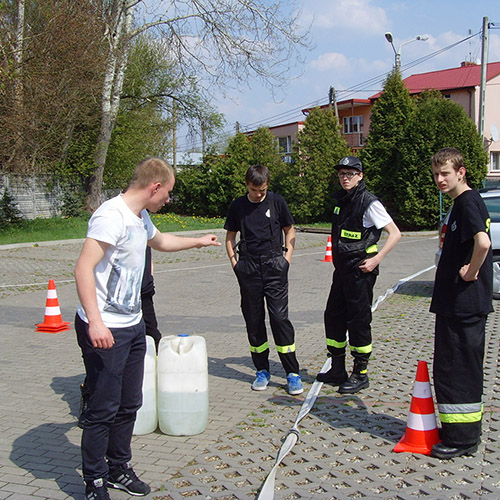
(350,162)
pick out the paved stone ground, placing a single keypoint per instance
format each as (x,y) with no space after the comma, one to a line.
(345,450)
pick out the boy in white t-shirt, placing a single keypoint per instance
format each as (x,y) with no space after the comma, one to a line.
(357,223)
(109,325)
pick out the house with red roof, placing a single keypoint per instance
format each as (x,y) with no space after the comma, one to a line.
(461,85)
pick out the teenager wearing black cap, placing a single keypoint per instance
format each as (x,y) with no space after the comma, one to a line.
(357,223)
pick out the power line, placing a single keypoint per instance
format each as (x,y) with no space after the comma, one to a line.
(343,94)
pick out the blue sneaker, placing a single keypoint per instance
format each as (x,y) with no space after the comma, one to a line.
(294,384)
(262,378)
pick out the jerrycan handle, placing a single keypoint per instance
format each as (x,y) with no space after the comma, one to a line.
(182,343)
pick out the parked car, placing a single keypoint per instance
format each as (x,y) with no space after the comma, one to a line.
(491,199)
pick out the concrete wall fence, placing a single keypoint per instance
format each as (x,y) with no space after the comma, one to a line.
(33,196)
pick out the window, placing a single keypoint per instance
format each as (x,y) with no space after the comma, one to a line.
(495,161)
(353,124)
(285,144)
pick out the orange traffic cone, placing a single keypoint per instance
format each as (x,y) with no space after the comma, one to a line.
(421,431)
(52,322)
(328,254)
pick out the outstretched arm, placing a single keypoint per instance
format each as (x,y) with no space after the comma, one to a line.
(166,242)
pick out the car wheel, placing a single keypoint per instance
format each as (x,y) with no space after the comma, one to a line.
(496,277)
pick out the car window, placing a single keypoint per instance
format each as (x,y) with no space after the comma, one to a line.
(493,206)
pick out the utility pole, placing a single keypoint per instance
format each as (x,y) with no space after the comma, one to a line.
(332,99)
(484,66)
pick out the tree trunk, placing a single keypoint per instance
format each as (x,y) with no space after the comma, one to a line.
(18,153)
(110,98)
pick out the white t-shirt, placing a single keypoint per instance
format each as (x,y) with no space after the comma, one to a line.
(376,215)
(118,275)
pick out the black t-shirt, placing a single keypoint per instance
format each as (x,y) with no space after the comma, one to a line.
(253,221)
(453,296)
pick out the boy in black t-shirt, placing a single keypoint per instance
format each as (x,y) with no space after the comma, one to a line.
(461,300)
(261,217)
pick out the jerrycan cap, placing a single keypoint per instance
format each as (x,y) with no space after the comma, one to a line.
(183,335)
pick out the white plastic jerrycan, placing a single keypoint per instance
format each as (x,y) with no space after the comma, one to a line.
(182,385)
(147,416)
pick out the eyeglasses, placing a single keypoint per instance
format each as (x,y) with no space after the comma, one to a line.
(349,175)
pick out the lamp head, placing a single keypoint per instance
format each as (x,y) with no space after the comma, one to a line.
(388,37)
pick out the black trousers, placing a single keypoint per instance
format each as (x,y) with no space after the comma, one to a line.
(348,309)
(458,378)
(114,380)
(265,279)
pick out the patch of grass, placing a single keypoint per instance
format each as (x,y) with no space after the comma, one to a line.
(67,228)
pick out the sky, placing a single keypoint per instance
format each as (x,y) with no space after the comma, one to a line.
(351,54)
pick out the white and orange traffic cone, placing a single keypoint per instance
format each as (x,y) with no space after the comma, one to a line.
(328,253)
(421,431)
(52,322)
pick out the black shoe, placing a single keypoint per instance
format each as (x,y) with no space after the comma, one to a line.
(84,405)
(354,384)
(124,478)
(96,490)
(332,376)
(442,451)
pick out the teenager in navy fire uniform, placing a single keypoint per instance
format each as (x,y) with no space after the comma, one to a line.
(357,223)
(461,300)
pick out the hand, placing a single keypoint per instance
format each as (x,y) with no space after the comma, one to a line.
(100,336)
(466,275)
(368,265)
(208,240)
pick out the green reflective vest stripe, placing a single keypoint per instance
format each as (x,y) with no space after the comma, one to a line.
(334,343)
(365,349)
(260,348)
(350,235)
(284,349)
(372,249)
(336,210)
(461,413)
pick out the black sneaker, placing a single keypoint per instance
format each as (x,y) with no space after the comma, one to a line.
(96,490)
(84,404)
(124,478)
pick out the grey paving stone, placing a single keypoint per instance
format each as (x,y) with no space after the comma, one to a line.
(345,450)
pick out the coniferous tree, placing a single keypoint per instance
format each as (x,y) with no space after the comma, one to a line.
(309,183)
(436,123)
(265,149)
(381,157)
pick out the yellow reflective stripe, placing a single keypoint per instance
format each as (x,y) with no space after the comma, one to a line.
(284,349)
(460,413)
(336,210)
(488,223)
(372,249)
(460,418)
(260,348)
(334,343)
(365,349)
(351,235)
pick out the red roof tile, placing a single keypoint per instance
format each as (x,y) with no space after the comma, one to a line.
(448,79)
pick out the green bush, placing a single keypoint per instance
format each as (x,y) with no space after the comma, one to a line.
(9,211)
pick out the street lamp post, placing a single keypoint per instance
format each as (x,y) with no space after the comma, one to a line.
(397,54)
